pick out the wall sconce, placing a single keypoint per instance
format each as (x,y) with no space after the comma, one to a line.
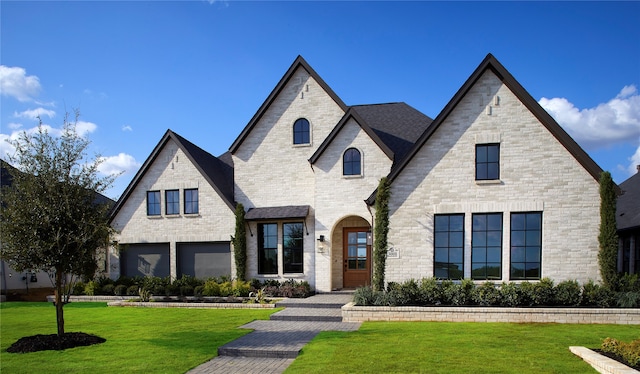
(369,238)
(321,244)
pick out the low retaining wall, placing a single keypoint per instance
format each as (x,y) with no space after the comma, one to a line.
(103,299)
(154,304)
(351,313)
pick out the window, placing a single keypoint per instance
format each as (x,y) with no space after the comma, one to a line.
(526,245)
(449,246)
(172,202)
(487,161)
(301,134)
(486,246)
(153,203)
(268,248)
(191,201)
(292,247)
(351,162)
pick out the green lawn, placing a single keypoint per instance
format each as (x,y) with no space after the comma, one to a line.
(443,347)
(139,340)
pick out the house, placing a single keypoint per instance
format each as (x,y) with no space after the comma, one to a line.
(628,223)
(491,189)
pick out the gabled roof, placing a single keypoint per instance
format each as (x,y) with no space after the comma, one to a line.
(491,63)
(628,205)
(298,63)
(217,171)
(394,127)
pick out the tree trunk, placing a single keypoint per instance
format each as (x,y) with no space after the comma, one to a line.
(59,304)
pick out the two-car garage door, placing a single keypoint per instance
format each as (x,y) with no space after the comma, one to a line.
(200,260)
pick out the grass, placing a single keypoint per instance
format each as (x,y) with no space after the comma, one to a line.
(442,347)
(139,340)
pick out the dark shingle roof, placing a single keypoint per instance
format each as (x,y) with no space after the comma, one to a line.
(628,206)
(277,212)
(398,125)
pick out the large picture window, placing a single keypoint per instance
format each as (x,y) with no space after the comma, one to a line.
(172,202)
(301,133)
(268,248)
(292,247)
(449,246)
(486,246)
(153,203)
(487,161)
(351,164)
(526,245)
(191,201)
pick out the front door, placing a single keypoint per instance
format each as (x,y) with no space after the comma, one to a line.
(357,258)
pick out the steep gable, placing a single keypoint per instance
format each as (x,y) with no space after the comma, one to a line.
(218,173)
(284,81)
(628,205)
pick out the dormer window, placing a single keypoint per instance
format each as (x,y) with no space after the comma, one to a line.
(351,162)
(301,132)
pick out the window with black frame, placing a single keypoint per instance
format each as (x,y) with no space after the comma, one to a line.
(268,248)
(301,132)
(449,246)
(172,202)
(191,201)
(351,162)
(487,161)
(153,203)
(486,246)
(292,247)
(526,245)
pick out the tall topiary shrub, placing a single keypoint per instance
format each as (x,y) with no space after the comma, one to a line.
(240,244)
(608,238)
(380,231)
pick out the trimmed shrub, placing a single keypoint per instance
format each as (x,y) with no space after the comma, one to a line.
(107,289)
(240,288)
(133,290)
(226,289)
(198,291)
(120,290)
(186,290)
(628,299)
(430,292)
(510,295)
(171,290)
(568,293)
(364,296)
(78,288)
(90,288)
(629,352)
(596,295)
(211,288)
(487,294)
(542,293)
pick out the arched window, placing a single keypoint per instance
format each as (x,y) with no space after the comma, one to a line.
(351,162)
(301,133)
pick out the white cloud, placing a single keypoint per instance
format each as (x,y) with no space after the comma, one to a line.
(617,120)
(118,164)
(127,128)
(14,82)
(14,126)
(634,162)
(35,113)
(83,128)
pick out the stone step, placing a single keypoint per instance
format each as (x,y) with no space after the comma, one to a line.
(308,314)
(270,344)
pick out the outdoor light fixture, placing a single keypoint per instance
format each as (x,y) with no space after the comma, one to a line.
(321,244)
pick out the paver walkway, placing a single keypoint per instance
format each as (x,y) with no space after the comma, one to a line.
(275,343)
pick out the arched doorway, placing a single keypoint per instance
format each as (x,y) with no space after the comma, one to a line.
(351,253)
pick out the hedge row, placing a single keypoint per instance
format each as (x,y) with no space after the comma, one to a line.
(433,292)
(190,286)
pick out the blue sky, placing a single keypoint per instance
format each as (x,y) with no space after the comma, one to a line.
(202,68)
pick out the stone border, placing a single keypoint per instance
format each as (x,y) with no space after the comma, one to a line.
(161,304)
(602,364)
(351,313)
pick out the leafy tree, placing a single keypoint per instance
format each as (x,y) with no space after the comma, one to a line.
(381,230)
(52,217)
(240,244)
(608,238)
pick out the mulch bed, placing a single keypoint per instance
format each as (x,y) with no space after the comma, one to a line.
(53,342)
(617,358)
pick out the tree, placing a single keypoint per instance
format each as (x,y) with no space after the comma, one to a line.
(381,230)
(240,244)
(52,217)
(608,238)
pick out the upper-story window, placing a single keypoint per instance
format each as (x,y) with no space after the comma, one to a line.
(153,203)
(487,161)
(191,201)
(172,202)
(351,162)
(301,132)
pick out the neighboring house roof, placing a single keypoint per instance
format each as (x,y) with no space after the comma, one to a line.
(491,63)
(298,63)
(628,205)
(217,171)
(277,212)
(394,127)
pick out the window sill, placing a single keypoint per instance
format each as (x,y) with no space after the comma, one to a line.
(301,145)
(294,275)
(192,215)
(358,176)
(489,182)
(154,217)
(173,216)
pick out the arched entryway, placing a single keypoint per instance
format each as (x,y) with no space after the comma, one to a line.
(351,253)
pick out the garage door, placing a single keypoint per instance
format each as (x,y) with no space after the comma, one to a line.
(204,260)
(145,260)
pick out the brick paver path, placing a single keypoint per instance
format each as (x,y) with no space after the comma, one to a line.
(274,344)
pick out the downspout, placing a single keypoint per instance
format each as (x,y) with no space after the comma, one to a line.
(372,239)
